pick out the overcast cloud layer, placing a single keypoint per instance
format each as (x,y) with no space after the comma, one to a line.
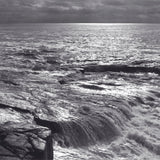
(80,11)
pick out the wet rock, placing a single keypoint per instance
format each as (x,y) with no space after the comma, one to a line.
(6,154)
(93,87)
(23,141)
(10,82)
(48,66)
(62,81)
(37,143)
(30,54)
(39,67)
(121,68)
(53,126)
(52,60)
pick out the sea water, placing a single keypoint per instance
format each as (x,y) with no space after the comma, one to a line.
(104,114)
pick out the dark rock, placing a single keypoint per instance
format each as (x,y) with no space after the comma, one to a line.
(53,126)
(23,141)
(48,154)
(82,71)
(93,87)
(10,82)
(21,110)
(62,81)
(52,60)
(31,54)
(121,68)
(39,67)
(4,153)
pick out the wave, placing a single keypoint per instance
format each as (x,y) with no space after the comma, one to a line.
(82,132)
(142,140)
(90,126)
(122,68)
(39,60)
(28,53)
(86,132)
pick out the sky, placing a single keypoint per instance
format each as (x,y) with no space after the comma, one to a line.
(80,11)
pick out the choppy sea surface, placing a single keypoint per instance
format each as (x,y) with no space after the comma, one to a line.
(99,82)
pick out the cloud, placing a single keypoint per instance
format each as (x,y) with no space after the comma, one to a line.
(79,11)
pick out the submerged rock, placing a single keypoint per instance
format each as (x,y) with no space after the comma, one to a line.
(30,54)
(121,68)
(62,81)
(93,87)
(52,60)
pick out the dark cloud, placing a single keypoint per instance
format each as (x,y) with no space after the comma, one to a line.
(80,11)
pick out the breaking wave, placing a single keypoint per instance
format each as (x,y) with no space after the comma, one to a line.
(145,142)
(90,126)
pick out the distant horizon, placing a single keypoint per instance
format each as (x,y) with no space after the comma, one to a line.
(78,11)
(78,23)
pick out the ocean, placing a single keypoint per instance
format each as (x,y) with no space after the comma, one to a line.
(98,82)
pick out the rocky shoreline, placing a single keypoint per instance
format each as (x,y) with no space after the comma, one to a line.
(42,100)
(23,140)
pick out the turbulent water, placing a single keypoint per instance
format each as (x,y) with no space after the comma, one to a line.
(97,86)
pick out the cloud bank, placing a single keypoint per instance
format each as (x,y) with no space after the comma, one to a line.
(138,11)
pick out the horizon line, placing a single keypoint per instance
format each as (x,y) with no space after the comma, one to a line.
(79,22)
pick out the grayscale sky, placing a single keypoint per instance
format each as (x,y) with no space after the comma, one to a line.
(131,11)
